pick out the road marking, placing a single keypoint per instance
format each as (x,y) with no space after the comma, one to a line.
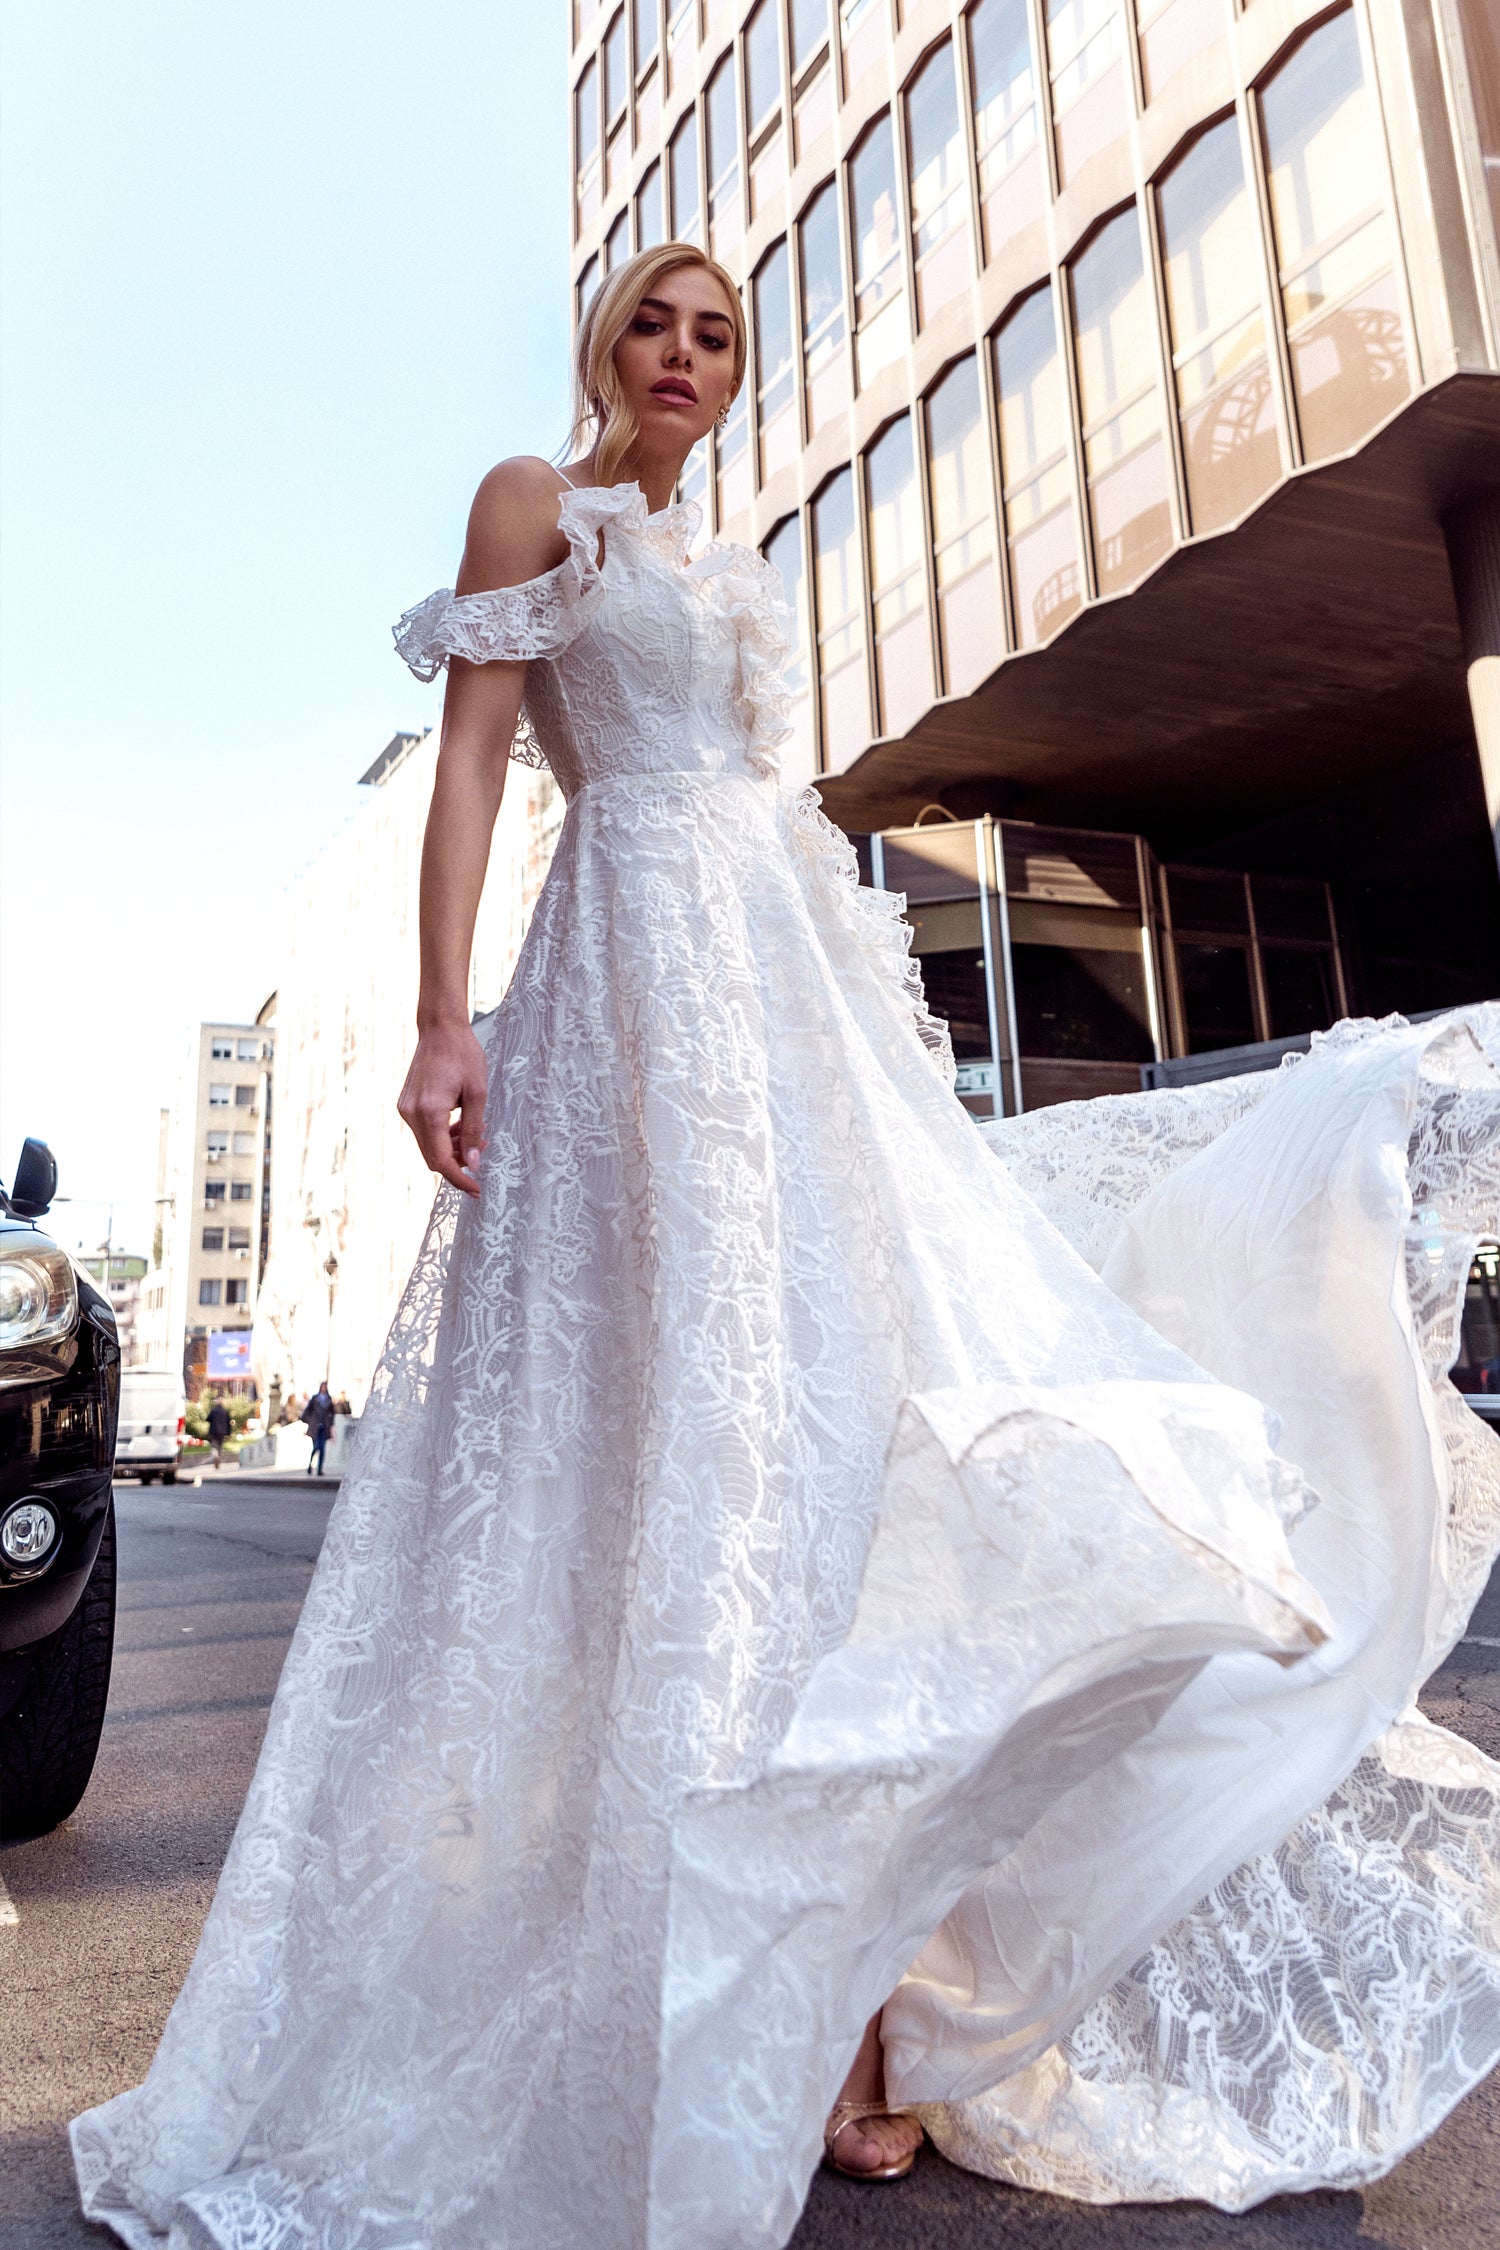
(8,1915)
(1480,1640)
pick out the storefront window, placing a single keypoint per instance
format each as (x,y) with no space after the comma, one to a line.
(903,661)
(939,184)
(1125,461)
(963,537)
(941,871)
(1090,90)
(1040,528)
(1333,241)
(649,227)
(771,296)
(1220,366)
(1256,957)
(1085,1016)
(880,293)
(784,549)
(825,337)
(682,164)
(1012,175)
(721,111)
(842,684)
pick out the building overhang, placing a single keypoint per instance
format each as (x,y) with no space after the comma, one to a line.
(1252,673)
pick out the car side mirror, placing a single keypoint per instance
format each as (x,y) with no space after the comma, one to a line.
(36,1180)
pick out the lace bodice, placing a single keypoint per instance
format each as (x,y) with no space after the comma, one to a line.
(639,660)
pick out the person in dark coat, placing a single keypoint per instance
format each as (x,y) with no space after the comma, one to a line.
(218,1430)
(318,1415)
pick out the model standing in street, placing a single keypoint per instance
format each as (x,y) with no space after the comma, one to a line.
(798,1655)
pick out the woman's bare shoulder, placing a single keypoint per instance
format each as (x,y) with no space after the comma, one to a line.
(513,532)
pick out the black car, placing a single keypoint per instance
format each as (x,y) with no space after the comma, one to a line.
(59,1404)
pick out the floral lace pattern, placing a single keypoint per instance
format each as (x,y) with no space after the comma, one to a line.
(1327,2003)
(764,1533)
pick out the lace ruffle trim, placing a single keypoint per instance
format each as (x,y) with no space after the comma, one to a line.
(876,919)
(746,589)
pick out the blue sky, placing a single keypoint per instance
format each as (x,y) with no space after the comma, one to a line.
(280,284)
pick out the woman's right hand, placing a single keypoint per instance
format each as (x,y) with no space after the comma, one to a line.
(448,1072)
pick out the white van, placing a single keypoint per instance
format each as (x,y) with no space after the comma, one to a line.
(153,1406)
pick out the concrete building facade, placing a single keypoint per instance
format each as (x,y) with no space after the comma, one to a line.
(213,1198)
(1124,418)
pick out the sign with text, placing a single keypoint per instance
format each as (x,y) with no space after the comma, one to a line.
(228,1353)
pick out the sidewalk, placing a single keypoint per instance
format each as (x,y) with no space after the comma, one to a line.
(193,1479)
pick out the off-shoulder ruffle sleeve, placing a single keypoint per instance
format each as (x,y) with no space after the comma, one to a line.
(502,625)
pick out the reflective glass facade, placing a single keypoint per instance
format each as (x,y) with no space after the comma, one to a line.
(1044,295)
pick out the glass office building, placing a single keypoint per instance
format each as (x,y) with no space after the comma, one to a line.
(1124,419)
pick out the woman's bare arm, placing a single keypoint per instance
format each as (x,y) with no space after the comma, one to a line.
(512,537)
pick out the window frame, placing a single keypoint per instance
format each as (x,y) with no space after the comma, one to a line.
(1252,102)
(966,190)
(923,570)
(1068,456)
(981,351)
(1244,113)
(1159,381)
(860,612)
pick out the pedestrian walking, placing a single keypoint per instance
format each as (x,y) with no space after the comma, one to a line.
(219,1427)
(800,1640)
(318,1415)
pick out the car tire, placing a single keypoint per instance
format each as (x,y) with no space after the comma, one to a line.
(145,1476)
(50,1737)
(169,1476)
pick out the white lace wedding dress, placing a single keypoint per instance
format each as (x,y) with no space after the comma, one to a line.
(778,1569)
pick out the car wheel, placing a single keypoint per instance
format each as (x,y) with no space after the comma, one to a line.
(145,1476)
(169,1476)
(50,1737)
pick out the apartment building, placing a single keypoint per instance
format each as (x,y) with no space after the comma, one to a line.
(1124,418)
(213,1197)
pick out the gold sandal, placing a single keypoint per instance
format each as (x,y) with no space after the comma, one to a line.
(854,2113)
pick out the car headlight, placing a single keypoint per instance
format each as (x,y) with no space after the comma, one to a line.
(38,1297)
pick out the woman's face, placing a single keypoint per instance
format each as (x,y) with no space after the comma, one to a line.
(675,361)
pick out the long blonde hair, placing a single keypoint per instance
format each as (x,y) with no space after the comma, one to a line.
(602,416)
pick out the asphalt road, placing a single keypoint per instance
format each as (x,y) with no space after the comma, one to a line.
(108,1908)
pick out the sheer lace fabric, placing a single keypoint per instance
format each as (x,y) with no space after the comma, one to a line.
(765,1527)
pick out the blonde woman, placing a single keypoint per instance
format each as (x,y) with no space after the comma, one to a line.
(792,1636)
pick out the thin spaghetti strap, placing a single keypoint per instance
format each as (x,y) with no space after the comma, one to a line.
(567,480)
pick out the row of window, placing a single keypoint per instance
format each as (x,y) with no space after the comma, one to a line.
(220,1096)
(239,1238)
(1076,96)
(216,1292)
(1313,130)
(220,1143)
(237,1191)
(646,45)
(975,501)
(225,1049)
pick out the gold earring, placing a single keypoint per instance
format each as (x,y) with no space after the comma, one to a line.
(723,414)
